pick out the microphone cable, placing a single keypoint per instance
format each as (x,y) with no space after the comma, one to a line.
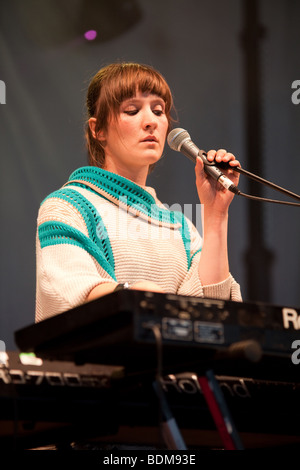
(263,181)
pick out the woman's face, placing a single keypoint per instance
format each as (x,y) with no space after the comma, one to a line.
(136,138)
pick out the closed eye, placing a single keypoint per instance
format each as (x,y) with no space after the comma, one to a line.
(131,112)
(158,112)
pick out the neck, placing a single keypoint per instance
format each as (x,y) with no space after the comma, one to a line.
(137,175)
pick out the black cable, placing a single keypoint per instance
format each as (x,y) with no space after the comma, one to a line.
(225,165)
(159,345)
(266,182)
(257,198)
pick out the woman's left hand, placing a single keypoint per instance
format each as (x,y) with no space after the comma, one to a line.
(211,192)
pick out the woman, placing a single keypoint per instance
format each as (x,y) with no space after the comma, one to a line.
(105,229)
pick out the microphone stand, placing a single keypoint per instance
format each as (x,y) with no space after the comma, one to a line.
(240,170)
(266,182)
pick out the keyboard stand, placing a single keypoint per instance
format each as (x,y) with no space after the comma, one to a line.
(219,411)
(168,426)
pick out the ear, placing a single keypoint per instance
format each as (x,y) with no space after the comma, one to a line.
(92,125)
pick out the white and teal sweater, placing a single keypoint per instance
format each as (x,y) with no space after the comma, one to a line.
(100,227)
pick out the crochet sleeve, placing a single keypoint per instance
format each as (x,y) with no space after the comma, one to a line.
(228,289)
(73,253)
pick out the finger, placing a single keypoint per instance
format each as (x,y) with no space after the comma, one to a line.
(199,165)
(211,155)
(234,163)
(228,157)
(221,153)
(200,173)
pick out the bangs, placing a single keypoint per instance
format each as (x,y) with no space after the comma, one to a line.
(144,81)
(128,79)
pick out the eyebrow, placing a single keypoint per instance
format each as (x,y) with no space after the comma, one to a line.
(133,100)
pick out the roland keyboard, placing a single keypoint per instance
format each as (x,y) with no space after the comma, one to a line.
(127,328)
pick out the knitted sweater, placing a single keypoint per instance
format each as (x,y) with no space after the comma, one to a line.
(100,227)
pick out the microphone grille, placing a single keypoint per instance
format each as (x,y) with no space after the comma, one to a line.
(176,137)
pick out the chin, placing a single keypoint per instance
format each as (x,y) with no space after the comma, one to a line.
(152,159)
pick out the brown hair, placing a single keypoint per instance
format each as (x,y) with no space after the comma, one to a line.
(112,85)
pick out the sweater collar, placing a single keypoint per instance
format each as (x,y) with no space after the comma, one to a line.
(122,191)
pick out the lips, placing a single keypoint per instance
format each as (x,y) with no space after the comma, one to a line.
(150,138)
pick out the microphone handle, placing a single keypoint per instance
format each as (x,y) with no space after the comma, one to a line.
(190,150)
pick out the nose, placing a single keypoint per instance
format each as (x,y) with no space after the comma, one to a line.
(149,120)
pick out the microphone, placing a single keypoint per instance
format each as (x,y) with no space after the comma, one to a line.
(180,140)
